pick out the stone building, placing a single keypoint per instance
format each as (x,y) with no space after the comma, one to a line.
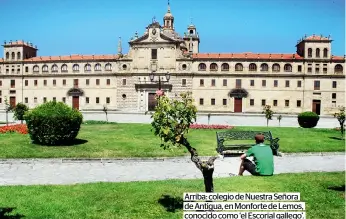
(309,79)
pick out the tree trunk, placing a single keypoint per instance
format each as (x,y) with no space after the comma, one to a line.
(206,167)
(6,118)
(267,122)
(106,117)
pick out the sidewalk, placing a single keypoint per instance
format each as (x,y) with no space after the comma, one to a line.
(71,171)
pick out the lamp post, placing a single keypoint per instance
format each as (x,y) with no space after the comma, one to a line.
(152,77)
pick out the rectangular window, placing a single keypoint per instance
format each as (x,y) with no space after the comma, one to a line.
(299,68)
(287,83)
(287,103)
(333,103)
(0,82)
(75,82)
(54,99)
(316,85)
(309,69)
(275,102)
(26,69)
(224,102)
(108,81)
(213,82)
(35,99)
(275,83)
(54,82)
(334,84)
(35,83)
(87,81)
(201,101)
(45,82)
(252,102)
(325,70)
(317,70)
(87,100)
(44,99)
(97,81)
(264,83)
(238,83)
(64,82)
(26,82)
(26,100)
(333,95)
(263,102)
(97,100)
(0,100)
(224,82)
(13,83)
(153,53)
(299,83)
(108,100)
(64,99)
(183,82)
(299,103)
(124,82)
(201,82)
(212,101)
(252,83)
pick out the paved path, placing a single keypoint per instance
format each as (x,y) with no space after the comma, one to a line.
(67,171)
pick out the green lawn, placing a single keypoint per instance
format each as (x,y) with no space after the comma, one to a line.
(136,140)
(142,199)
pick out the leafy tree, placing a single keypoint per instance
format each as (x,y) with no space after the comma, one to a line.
(279,118)
(268,113)
(8,108)
(19,110)
(171,122)
(105,110)
(341,118)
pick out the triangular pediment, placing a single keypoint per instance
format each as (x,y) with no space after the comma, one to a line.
(149,37)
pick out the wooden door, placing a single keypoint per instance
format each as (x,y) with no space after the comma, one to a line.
(12,101)
(316,106)
(238,105)
(75,102)
(151,102)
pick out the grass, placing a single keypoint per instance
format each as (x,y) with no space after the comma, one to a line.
(144,199)
(136,140)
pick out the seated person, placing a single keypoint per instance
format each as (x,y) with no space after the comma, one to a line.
(263,158)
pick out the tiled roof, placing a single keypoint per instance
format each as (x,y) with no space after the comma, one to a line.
(316,37)
(20,43)
(244,56)
(72,58)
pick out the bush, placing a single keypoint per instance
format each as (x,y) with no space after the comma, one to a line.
(19,110)
(53,123)
(308,119)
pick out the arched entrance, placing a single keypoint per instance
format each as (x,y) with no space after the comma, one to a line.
(75,93)
(238,94)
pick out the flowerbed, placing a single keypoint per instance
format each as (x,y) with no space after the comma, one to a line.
(19,128)
(200,126)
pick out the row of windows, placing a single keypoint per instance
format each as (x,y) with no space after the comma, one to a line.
(238,83)
(263,67)
(13,56)
(75,68)
(318,53)
(87,100)
(75,82)
(252,102)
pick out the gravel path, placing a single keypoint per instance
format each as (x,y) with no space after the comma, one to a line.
(71,171)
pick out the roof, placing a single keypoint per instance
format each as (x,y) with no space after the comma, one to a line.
(75,57)
(19,43)
(316,37)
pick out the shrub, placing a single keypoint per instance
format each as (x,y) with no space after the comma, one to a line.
(19,110)
(53,123)
(308,119)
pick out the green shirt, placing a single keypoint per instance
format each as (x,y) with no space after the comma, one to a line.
(263,158)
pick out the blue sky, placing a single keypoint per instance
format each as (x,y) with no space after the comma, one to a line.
(63,27)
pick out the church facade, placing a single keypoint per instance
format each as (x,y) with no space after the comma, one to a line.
(311,79)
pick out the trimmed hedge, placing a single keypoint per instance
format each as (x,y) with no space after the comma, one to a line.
(53,123)
(308,119)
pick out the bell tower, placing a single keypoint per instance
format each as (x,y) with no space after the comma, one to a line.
(191,39)
(168,19)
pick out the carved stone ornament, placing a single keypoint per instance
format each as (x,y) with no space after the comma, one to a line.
(153,31)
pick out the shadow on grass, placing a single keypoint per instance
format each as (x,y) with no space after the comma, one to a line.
(337,188)
(5,213)
(74,142)
(171,204)
(336,138)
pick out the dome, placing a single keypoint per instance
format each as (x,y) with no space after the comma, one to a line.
(168,15)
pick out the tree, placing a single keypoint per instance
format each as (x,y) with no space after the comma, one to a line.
(171,121)
(8,108)
(19,110)
(341,118)
(279,118)
(268,113)
(105,110)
